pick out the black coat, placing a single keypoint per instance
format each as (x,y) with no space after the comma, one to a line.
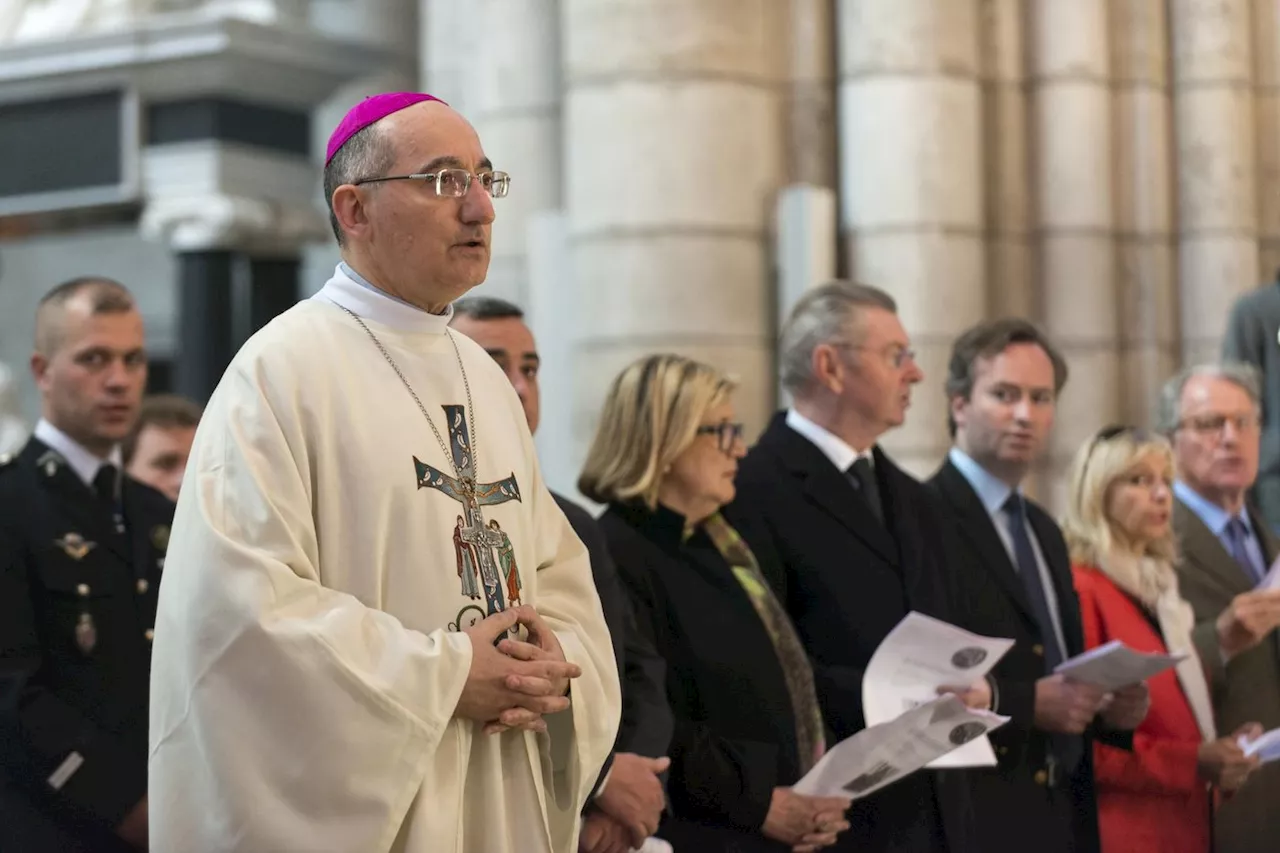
(1014,801)
(77,605)
(646,720)
(735,733)
(848,581)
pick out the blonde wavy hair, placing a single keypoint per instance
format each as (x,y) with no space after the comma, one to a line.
(651,415)
(1098,465)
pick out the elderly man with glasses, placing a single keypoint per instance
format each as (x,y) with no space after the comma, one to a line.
(340,662)
(1212,416)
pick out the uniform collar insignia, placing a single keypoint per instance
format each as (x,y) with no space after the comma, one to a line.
(50,461)
(75,546)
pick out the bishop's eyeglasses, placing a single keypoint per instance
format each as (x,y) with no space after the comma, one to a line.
(452,183)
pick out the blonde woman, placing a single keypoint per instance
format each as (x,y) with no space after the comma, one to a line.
(1157,797)
(738,682)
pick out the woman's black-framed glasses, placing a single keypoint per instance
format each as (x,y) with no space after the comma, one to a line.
(452,183)
(727,434)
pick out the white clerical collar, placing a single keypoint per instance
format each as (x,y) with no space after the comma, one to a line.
(83,461)
(835,448)
(347,289)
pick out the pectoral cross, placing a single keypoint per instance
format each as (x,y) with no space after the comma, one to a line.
(472,496)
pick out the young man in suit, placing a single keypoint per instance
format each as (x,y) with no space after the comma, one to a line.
(629,800)
(81,551)
(1211,415)
(1003,382)
(857,537)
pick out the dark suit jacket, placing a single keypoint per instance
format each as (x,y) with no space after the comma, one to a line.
(1251,337)
(735,735)
(1245,690)
(1014,801)
(848,581)
(77,605)
(646,720)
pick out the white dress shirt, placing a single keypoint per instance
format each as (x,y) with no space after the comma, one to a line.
(83,461)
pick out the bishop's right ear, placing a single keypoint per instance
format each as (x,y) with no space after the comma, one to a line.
(350,208)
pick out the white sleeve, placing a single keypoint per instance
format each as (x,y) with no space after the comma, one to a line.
(284,715)
(581,738)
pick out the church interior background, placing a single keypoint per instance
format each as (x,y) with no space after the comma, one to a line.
(682,171)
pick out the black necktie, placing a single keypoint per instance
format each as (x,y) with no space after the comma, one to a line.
(864,477)
(1067,749)
(1029,569)
(104,484)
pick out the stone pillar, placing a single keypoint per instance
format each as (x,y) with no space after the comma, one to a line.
(205,310)
(1144,204)
(273,289)
(911,183)
(1005,147)
(1217,196)
(1072,175)
(1266,71)
(514,104)
(674,137)
(809,93)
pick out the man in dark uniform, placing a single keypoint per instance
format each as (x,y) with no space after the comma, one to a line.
(81,552)
(629,797)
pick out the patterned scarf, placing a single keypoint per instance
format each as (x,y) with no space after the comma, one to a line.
(786,643)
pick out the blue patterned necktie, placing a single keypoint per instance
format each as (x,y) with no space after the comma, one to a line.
(1237,535)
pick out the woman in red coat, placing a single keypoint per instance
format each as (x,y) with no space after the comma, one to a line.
(1159,796)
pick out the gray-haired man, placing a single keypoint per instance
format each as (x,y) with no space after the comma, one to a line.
(1211,414)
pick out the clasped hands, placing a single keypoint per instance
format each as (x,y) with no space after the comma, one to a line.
(512,683)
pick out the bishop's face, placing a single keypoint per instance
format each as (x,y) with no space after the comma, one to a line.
(431,249)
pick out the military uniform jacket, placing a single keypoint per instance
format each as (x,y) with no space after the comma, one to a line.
(77,606)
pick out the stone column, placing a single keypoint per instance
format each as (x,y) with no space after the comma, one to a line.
(809,93)
(1144,204)
(911,183)
(1217,196)
(1266,70)
(1072,175)
(1005,147)
(205,320)
(514,104)
(674,140)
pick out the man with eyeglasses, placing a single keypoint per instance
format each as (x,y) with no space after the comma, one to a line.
(1211,414)
(340,661)
(1002,386)
(857,536)
(627,804)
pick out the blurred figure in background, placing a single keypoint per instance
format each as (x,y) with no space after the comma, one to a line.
(1212,416)
(1253,337)
(156,449)
(747,721)
(1118,528)
(13,428)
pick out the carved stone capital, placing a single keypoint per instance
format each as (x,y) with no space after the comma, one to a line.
(203,222)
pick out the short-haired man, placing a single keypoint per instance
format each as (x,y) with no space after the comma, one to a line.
(1003,382)
(627,804)
(81,551)
(156,449)
(1253,337)
(857,536)
(1211,414)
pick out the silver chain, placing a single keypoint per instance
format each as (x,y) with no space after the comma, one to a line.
(471,409)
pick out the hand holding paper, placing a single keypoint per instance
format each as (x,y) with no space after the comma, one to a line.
(920,657)
(882,754)
(1249,618)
